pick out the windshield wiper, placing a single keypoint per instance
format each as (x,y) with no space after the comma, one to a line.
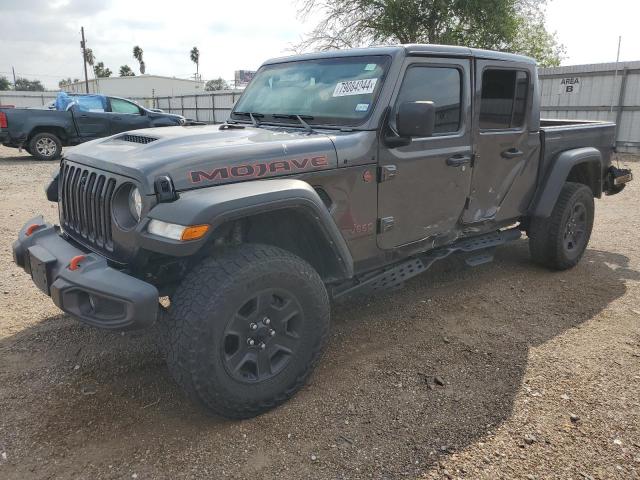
(252,116)
(300,118)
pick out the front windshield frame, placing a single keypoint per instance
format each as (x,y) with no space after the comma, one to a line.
(382,64)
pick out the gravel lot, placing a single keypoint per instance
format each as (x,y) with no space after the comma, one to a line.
(540,375)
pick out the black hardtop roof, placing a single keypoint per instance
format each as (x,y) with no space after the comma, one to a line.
(409,50)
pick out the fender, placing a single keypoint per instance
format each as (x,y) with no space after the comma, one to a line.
(549,191)
(40,122)
(219,204)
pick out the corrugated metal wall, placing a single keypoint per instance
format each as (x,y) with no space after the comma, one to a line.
(596,92)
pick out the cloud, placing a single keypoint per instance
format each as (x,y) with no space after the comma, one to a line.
(42,38)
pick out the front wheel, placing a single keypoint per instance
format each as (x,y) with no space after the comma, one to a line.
(245,329)
(560,240)
(45,146)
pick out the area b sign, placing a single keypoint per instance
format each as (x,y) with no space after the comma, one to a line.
(569,85)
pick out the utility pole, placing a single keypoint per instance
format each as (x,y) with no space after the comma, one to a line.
(14,77)
(615,75)
(83,45)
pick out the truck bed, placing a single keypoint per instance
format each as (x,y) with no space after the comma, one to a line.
(557,136)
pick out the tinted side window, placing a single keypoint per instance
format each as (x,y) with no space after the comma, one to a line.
(122,106)
(504,99)
(439,85)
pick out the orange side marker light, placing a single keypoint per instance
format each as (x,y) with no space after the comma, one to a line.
(194,232)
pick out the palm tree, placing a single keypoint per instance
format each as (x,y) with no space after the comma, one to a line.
(195,58)
(89,56)
(137,54)
(101,71)
(125,71)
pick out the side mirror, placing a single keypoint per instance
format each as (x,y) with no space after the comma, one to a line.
(416,119)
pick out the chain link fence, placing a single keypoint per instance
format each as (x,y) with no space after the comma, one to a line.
(211,107)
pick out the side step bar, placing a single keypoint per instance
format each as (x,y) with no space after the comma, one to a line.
(393,277)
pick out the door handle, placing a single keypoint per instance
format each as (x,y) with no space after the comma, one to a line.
(512,153)
(459,160)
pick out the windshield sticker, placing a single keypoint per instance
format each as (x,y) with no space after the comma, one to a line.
(362,107)
(355,87)
(370,66)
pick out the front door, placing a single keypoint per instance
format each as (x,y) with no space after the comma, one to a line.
(507,152)
(126,116)
(424,185)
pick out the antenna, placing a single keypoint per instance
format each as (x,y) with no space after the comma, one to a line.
(615,75)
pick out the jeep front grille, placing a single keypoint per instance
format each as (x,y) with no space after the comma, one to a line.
(137,138)
(85,204)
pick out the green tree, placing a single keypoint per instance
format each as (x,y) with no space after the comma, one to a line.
(216,84)
(66,81)
(101,71)
(23,84)
(508,25)
(194,54)
(533,39)
(4,83)
(125,71)
(89,56)
(137,54)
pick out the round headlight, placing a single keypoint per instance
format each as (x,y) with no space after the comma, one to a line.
(135,203)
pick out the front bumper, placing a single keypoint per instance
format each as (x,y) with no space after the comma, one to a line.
(93,292)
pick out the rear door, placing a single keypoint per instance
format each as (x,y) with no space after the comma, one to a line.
(127,115)
(91,117)
(506,151)
(424,185)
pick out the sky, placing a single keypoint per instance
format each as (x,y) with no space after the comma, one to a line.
(41,38)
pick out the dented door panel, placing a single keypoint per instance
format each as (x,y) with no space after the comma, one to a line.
(507,156)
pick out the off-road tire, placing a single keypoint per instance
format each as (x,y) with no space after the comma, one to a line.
(547,235)
(45,146)
(194,327)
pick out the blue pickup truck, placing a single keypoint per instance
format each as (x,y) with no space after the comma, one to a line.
(75,119)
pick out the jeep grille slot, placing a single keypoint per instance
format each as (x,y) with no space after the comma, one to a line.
(137,138)
(85,205)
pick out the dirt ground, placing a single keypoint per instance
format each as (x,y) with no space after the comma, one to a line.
(540,376)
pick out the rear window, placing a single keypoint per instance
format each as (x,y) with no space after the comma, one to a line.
(90,103)
(504,99)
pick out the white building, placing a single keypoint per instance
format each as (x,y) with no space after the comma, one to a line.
(139,86)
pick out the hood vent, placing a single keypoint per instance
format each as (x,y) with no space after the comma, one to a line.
(137,138)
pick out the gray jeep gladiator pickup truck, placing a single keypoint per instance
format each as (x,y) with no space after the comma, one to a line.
(336,173)
(43,132)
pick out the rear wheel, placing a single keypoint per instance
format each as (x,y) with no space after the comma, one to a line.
(245,329)
(45,146)
(559,241)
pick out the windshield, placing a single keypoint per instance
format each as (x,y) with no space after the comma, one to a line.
(330,91)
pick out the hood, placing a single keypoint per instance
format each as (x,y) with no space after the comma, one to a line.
(201,156)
